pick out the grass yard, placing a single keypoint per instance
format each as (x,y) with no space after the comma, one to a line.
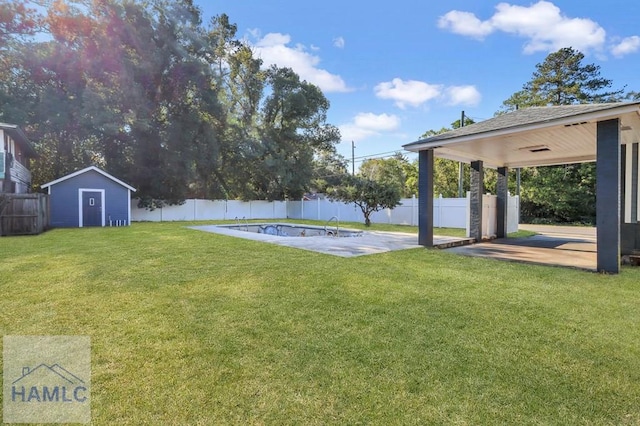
(189,327)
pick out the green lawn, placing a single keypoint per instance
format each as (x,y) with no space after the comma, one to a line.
(189,327)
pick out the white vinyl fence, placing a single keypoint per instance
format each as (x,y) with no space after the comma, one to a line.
(490,215)
(447,212)
(212,210)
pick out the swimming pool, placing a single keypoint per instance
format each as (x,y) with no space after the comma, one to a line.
(368,242)
(293,230)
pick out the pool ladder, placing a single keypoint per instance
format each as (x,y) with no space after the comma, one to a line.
(246,223)
(337,226)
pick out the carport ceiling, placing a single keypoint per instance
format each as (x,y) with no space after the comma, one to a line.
(535,136)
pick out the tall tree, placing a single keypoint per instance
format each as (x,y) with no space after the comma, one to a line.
(293,129)
(396,170)
(241,83)
(18,24)
(562,79)
(633,96)
(563,193)
(57,120)
(17,20)
(329,170)
(176,108)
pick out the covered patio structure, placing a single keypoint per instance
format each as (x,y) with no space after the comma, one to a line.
(608,134)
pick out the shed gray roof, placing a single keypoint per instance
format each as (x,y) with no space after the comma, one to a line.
(85,170)
(520,118)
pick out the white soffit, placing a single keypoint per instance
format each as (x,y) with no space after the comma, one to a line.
(569,140)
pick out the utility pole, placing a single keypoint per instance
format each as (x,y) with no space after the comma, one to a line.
(353,159)
(460,167)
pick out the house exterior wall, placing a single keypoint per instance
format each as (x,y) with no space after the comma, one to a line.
(15,176)
(3,149)
(65,199)
(21,176)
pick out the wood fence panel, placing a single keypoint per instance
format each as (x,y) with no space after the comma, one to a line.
(24,214)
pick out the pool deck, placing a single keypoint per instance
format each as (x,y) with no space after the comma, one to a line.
(371,242)
(573,247)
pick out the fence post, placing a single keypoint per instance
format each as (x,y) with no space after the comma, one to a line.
(413,210)
(440,202)
(468,214)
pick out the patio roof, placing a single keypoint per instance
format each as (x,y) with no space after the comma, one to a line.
(535,136)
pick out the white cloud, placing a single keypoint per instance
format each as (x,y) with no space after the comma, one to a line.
(274,49)
(416,93)
(465,23)
(339,42)
(366,124)
(463,95)
(408,92)
(626,46)
(378,122)
(543,24)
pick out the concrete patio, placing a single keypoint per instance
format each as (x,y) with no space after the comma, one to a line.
(568,246)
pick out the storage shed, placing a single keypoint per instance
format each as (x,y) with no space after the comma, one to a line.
(89,197)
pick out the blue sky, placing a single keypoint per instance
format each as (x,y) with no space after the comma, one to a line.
(393,70)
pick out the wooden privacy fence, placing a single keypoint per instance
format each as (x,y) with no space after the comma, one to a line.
(23,214)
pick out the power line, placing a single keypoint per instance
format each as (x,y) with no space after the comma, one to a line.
(383,156)
(387,154)
(477,119)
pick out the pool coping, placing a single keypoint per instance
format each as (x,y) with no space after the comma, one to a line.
(370,242)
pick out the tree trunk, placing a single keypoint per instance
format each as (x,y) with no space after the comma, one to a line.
(367,220)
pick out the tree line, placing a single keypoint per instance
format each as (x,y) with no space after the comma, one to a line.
(552,194)
(174,106)
(184,109)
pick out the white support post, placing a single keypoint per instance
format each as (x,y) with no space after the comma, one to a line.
(414,213)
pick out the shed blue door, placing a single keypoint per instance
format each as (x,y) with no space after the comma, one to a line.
(91,209)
